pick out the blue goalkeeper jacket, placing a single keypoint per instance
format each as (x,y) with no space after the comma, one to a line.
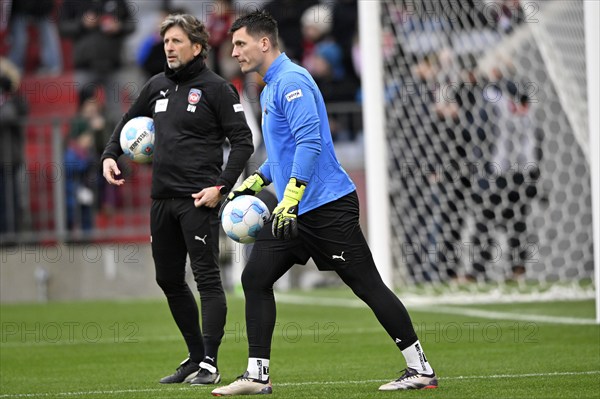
(297,136)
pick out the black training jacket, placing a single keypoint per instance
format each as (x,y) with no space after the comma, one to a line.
(194,110)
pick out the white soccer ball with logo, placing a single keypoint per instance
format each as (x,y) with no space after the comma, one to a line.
(137,139)
(243,218)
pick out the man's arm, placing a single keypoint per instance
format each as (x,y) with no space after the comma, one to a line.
(232,119)
(299,105)
(233,122)
(113,149)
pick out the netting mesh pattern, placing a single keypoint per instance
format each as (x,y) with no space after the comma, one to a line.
(489,180)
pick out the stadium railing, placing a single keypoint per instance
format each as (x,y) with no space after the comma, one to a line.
(119,214)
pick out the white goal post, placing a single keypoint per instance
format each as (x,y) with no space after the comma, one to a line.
(374,131)
(592,38)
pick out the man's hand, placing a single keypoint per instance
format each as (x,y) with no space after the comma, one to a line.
(251,186)
(111,171)
(208,197)
(285,214)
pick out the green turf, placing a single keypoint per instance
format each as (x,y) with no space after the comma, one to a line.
(121,349)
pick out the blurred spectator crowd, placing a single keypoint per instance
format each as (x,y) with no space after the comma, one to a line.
(77,65)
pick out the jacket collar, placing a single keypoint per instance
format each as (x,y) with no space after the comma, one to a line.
(189,71)
(275,67)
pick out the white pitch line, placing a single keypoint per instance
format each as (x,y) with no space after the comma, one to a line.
(490,314)
(463,311)
(296,384)
(460,377)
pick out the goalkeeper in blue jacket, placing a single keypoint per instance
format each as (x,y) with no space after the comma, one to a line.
(317,216)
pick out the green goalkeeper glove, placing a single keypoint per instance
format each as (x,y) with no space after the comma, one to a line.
(251,186)
(285,214)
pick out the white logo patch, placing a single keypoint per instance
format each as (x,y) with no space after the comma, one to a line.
(203,239)
(340,257)
(238,108)
(292,95)
(161,105)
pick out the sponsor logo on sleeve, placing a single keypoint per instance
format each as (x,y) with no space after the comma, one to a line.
(292,95)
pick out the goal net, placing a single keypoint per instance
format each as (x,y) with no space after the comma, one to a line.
(487,127)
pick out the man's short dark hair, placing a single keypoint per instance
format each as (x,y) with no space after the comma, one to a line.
(258,23)
(192,26)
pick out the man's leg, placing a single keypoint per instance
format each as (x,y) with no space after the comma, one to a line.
(200,228)
(51,52)
(269,260)
(367,284)
(334,239)
(169,253)
(19,38)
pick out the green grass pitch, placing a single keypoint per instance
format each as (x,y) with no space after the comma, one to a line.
(120,349)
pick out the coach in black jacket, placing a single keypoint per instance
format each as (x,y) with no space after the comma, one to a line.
(194,110)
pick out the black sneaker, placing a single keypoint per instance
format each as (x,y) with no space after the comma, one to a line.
(185,372)
(207,375)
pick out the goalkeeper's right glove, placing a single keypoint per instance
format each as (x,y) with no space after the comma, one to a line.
(251,186)
(285,214)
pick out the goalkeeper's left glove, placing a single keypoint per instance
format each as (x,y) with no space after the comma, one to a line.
(285,214)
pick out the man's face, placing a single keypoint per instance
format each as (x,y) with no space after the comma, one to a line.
(248,51)
(178,48)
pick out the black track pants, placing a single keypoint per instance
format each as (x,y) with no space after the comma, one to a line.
(179,228)
(332,236)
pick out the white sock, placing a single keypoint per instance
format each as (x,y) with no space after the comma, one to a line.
(208,367)
(415,358)
(258,368)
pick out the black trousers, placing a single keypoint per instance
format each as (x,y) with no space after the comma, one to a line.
(178,229)
(332,236)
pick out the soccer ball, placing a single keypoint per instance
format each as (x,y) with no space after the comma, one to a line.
(137,139)
(243,217)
